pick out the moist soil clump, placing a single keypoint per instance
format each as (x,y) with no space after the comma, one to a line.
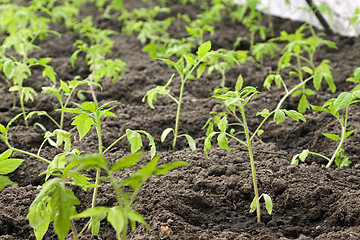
(210,198)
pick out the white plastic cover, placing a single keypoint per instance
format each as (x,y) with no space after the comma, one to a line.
(342,12)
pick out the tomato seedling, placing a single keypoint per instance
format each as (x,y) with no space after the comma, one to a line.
(96,51)
(335,106)
(237,100)
(185,67)
(90,114)
(303,67)
(56,203)
(18,70)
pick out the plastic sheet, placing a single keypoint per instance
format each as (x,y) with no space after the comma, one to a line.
(342,12)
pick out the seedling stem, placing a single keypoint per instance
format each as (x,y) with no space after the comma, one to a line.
(252,163)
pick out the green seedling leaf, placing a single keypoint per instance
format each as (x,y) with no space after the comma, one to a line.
(263,113)
(87,162)
(9,165)
(189,59)
(348,134)
(320,109)
(190,141)
(204,49)
(29,93)
(330,44)
(207,143)
(334,137)
(279,116)
(165,133)
(222,141)
(309,92)
(95,223)
(303,104)
(43,61)
(134,139)
(294,159)
(5,155)
(278,80)
(223,124)
(134,217)
(83,124)
(4,180)
(63,203)
(356,94)
(253,205)
(295,115)
(239,83)
(307,70)
(49,72)
(117,220)
(268,203)
(127,161)
(356,78)
(324,71)
(200,70)
(164,168)
(342,101)
(39,217)
(97,214)
(303,155)
(8,67)
(268,81)
(2,129)
(297,93)
(90,212)
(341,160)
(148,169)
(89,106)
(151,143)
(107,113)
(259,132)
(64,86)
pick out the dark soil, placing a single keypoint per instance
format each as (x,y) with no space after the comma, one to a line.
(209,199)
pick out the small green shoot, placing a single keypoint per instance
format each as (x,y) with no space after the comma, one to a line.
(237,100)
(335,107)
(56,203)
(302,67)
(96,51)
(18,70)
(185,67)
(90,114)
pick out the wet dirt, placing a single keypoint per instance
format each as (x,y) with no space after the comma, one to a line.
(209,199)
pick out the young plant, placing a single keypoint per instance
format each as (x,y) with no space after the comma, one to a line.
(251,20)
(260,49)
(100,45)
(236,101)
(232,57)
(56,203)
(303,67)
(339,108)
(90,114)
(63,94)
(185,67)
(19,70)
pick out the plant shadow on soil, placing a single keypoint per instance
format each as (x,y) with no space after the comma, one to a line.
(209,199)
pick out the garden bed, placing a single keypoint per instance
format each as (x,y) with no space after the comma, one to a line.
(210,198)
